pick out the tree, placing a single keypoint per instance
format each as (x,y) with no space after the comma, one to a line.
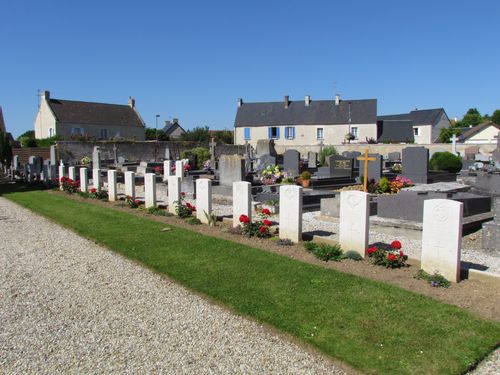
(5,149)
(198,134)
(224,136)
(151,134)
(495,117)
(471,118)
(446,134)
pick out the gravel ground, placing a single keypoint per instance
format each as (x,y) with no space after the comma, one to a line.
(70,306)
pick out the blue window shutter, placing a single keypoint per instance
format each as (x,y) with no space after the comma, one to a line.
(287,132)
(247,133)
(270,132)
(292,132)
(277,133)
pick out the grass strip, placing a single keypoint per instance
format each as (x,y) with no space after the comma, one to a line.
(374,327)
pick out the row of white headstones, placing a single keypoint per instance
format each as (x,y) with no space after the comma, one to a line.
(442,219)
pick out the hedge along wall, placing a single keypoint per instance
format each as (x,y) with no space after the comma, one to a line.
(73,151)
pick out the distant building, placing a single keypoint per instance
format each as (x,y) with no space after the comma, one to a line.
(484,133)
(69,118)
(2,122)
(420,126)
(306,122)
(173,129)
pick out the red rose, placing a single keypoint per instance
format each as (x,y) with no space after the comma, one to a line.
(183,194)
(93,190)
(267,223)
(188,205)
(266,211)
(193,208)
(396,245)
(244,219)
(263,229)
(372,249)
(391,257)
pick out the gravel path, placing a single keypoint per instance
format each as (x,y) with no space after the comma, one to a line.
(70,306)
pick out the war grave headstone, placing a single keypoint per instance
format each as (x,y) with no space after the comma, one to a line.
(167,152)
(374,167)
(174,193)
(415,164)
(354,221)
(96,179)
(96,158)
(15,162)
(112,192)
(72,173)
(291,162)
(149,190)
(130,184)
(290,215)
(53,155)
(242,201)
(62,172)
(84,182)
(442,237)
(179,169)
(167,169)
(204,199)
(312,159)
(231,169)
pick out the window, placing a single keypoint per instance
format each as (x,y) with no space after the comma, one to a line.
(247,134)
(354,132)
(289,132)
(76,131)
(416,131)
(274,132)
(104,133)
(51,132)
(319,133)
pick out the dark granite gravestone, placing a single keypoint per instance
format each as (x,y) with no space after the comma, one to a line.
(338,166)
(354,156)
(415,164)
(291,162)
(374,168)
(394,156)
(35,164)
(312,159)
(231,169)
(264,161)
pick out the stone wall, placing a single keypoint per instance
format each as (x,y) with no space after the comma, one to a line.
(25,152)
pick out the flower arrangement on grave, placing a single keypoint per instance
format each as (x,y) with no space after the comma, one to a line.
(206,165)
(131,202)
(271,174)
(396,168)
(287,179)
(384,186)
(98,194)
(260,228)
(86,160)
(69,186)
(388,256)
(157,169)
(400,182)
(184,209)
(186,167)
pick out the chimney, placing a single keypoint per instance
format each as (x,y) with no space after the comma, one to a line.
(240,102)
(167,122)
(287,101)
(307,100)
(46,95)
(175,121)
(131,102)
(337,99)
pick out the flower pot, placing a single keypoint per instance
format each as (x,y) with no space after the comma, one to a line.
(306,183)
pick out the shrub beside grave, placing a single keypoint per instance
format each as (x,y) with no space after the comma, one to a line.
(445,161)
(69,186)
(388,256)
(131,202)
(435,280)
(325,252)
(260,228)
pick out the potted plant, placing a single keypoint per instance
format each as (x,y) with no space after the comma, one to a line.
(305,178)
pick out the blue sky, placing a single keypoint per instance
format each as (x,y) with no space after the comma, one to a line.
(193,59)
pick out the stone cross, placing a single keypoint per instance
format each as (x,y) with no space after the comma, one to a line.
(149,190)
(454,139)
(212,145)
(366,160)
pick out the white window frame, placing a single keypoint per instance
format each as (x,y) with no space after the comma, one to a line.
(416,132)
(320,133)
(287,131)
(354,132)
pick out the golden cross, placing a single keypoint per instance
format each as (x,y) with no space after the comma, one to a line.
(366,159)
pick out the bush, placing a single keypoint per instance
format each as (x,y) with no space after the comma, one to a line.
(306,175)
(202,155)
(435,280)
(354,255)
(157,211)
(327,151)
(384,185)
(324,252)
(388,256)
(445,161)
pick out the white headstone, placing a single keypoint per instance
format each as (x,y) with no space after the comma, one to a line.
(242,201)
(354,221)
(442,237)
(15,162)
(167,169)
(149,190)
(203,199)
(84,182)
(130,184)
(112,193)
(291,212)
(179,169)
(72,173)
(174,193)
(62,172)
(96,179)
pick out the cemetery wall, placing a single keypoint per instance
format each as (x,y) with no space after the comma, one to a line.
(384,149)
(26,152)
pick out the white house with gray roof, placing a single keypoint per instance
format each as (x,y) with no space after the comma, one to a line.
(306,122)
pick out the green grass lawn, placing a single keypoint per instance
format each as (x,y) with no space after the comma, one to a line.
(374,327)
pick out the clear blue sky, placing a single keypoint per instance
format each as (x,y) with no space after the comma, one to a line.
(193,59)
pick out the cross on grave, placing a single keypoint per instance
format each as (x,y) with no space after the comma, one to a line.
(212,145)
(321,146)
(454,140)
(366,159)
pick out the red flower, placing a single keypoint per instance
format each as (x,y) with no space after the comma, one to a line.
(187,167)
(93,190)
(391,257)
(188,205)
(396,245)
(193,208)
(244,219)
(401,254)
(263,229)
(137,202)
(266,211)
(157,169)
(372,249)
(183,194)
(267,223)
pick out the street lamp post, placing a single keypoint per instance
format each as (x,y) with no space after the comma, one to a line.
(156,135)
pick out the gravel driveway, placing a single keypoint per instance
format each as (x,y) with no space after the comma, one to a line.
(70,306)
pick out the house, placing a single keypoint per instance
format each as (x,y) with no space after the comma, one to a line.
(306,122)
(2,122)
(420,126)
(71,119)
(173,130)
(484,133)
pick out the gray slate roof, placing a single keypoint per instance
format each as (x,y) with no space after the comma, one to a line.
(418,116)
(476,129)
(395,131)
(76,112)
(170,127)
(319,112)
